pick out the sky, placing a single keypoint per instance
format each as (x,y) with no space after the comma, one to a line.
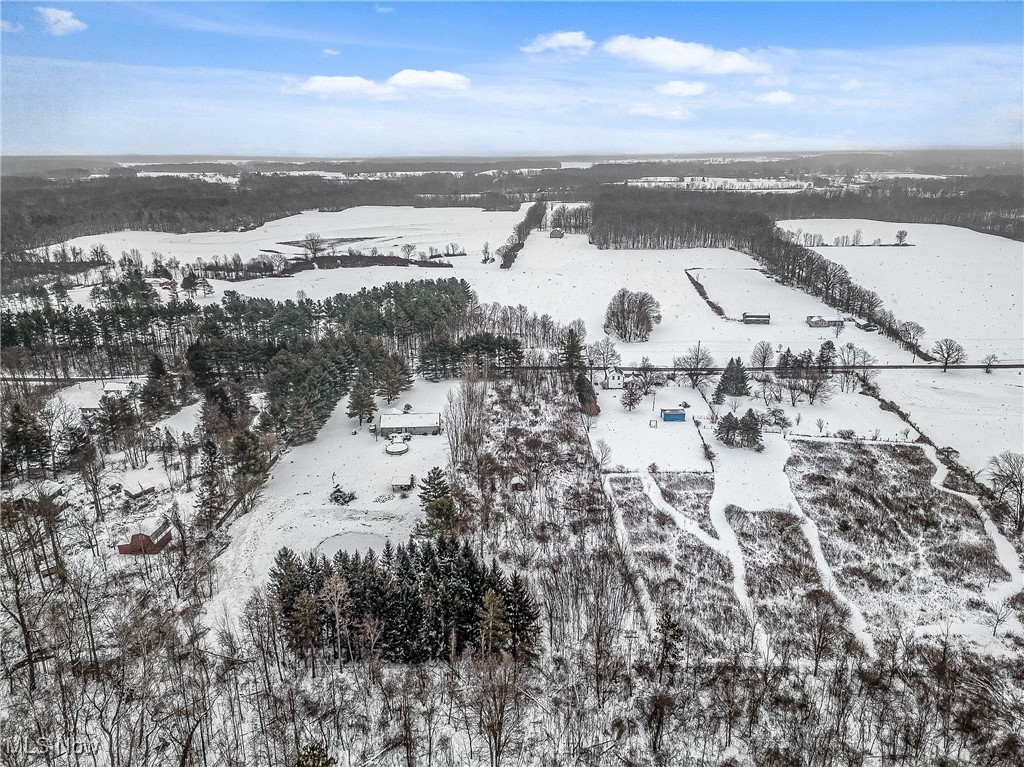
(352,79)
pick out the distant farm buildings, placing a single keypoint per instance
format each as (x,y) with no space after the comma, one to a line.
(816,321)
(753,318)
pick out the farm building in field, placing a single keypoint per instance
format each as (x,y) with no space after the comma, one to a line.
(817,321)
(673,414)
(410,423)
(150,538)
(557,234)
(753,318)
(865,325)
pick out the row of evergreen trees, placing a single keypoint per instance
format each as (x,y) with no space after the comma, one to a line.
(426,600)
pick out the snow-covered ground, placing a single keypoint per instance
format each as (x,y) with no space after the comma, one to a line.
(386,227)
(955,282)
(980,415)
(974,294)
(295,509)
(569,278)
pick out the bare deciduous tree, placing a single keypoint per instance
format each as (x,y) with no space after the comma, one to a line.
(1006,471)
(948,352)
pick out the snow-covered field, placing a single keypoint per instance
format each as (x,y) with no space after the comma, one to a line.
(387,228)
(955,282)
(979,415)
(568,278)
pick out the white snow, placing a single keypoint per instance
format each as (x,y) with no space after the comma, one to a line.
(955,282)
(977,414)
(295,510)
(385,227)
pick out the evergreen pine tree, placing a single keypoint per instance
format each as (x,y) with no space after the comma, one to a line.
(441,517)
(304,626)
(433,487)
(570,354)
(748,430)
(735,381)
(361,404)
(288,578)
(728,427)
(393,378)
(211,500)
(315,755)
(24,439)
(669,639)
(785,364)
(718,398)
(826,356)
(522,615)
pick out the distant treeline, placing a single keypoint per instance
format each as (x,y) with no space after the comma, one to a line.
(37,212)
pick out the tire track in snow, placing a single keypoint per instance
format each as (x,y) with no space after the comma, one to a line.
(857,624)
(643,594)
(726,544)
(729,547)
(1005,552)
(682,521)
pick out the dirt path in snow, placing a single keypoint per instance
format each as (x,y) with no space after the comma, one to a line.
(1005,552)
(647,611)
(758,481)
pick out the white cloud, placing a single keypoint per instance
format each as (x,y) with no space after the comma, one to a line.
(438,78)
(851,85)
(570,42)
(60,22)
(681,88)
(331,52)
(674,56)
(327,86)
(383,9)
(6,26)
(666,113)
(772,81)
(777,97)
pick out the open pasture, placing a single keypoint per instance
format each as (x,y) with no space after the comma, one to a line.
(955,282)
(384,227)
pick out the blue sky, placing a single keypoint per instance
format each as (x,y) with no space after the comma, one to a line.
(417,78)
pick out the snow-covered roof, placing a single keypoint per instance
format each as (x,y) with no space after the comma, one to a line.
(117,387)
(409,420)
